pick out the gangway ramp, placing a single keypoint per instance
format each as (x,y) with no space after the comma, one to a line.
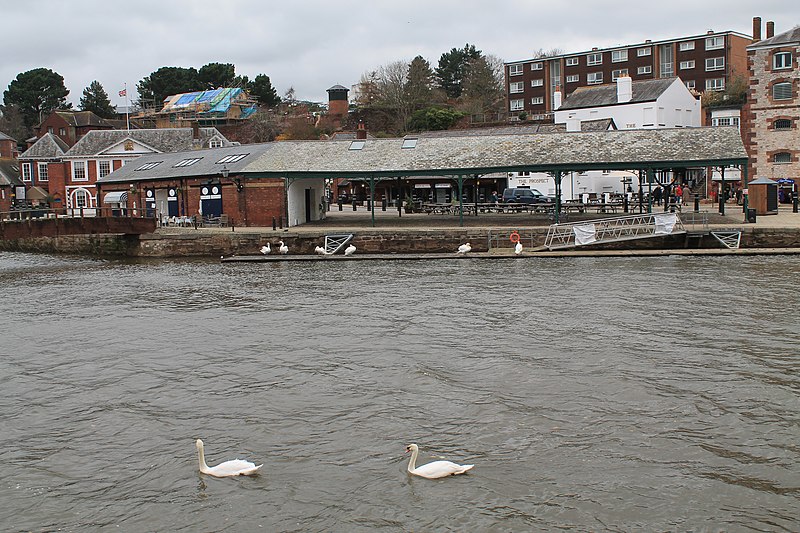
(616,229)
(334,243)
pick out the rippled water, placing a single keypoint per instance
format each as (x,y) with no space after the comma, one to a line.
(651,394)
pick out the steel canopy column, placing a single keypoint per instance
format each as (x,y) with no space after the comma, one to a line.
(461,200)
(721,195)
(372,197)
(649,175)
(557,177)
(744,196)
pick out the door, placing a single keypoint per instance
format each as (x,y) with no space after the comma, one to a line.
(309,203)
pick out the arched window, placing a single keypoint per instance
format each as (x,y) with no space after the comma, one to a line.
(782,91)
(783,124)
(782,157)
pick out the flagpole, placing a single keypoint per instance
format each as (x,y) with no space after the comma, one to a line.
(127,108)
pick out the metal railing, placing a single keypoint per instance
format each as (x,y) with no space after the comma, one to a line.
(614,229)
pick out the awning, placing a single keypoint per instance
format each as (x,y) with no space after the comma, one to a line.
(37,193)
(116,197)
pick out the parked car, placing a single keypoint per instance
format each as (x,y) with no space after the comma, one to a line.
(521,195)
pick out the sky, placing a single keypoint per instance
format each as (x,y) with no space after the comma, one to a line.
(311,45)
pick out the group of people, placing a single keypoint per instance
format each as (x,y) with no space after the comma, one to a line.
(673,194)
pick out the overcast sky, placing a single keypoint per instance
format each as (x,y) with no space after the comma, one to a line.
(313,44)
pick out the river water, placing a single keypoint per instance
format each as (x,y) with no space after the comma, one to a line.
(630,394)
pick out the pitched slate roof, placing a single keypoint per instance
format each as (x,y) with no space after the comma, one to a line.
(788,37)
(526,129)
(163,140)
(9,172)
(4,137)
(603,95)
(48,146)
(80,119)
(208,164)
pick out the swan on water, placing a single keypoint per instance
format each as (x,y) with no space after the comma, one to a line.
(464,248)
(518,248)
(433,470)
(266,249)
(283,248)
(350,250)
(236,467)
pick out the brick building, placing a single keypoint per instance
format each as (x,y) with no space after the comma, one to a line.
(703,62)
(772,113)
(70,126)
(8,147)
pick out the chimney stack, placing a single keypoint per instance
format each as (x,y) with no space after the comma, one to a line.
(770,29)
(195,130)
(624,89)
(361,132)
(557,98)
(756,29)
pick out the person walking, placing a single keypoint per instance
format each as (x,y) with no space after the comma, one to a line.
(687,195)
(678,194)
(657,193)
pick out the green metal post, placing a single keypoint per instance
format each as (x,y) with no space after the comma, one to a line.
(649,174)
(558,195)
(744,196)
(461,200)
(372,198)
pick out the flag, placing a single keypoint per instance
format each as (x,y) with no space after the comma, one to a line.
(123,92)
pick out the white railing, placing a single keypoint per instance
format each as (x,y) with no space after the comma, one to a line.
(616,229)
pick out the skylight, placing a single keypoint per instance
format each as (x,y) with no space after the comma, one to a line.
(187,162)
(148,166)
(357,145)
(410,142)
(231,158)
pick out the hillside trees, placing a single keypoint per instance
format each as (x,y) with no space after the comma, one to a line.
(36,93)
(95,99)
(453,68)
(261,88)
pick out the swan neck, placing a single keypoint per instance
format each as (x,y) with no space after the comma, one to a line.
(412,464)
(201,458)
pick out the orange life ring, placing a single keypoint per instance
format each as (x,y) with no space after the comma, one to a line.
(514,237)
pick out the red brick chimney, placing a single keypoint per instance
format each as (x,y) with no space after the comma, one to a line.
(756,29)
(361,131)
(195,130)
(770,29)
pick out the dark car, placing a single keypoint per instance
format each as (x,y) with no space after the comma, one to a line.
(521,195)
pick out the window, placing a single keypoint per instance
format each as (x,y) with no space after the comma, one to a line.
(715,63)
(714,43)
(536,66)
(690,84)
(686,65)
(686,46)
(49,129)
(573,61)
(782,91)
(715,84)
(619,74)
(641,52)
(215,143)
(517,105)
(725,121)
(103,168)
(594,59)
(81,198)
(26,172)
(574,78)
(645,70)
(782,124)
(514,70)
(410,142)
(537,100)
(148,166)
(238,157)
(79,171)
(666,63)
(618,56)
(782,60)
(537,83)
(62,131)
(187,162)
(782,157)
(516,86)
(355,145)
(43,172)
(593,78)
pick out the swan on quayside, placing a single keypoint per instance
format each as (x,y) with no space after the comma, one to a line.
(433,470)
(350,250)
(283,248)
(236,467)
(464,248)
(518,248)
(266,249)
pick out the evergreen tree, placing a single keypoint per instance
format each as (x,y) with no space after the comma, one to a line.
(36,93)
(166,81)
(483,86)
(217,75)
(261,88)
(452,69)
(95,99)
(419,83)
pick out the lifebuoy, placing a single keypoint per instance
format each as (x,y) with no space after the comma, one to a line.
(514,237)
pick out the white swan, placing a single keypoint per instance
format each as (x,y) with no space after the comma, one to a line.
(236,467)
(435,469)
(319,250)
(283,249)
(350,250)
(266,249)
(464,248)
(518,248)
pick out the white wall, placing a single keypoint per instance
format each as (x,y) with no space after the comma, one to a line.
(297,200)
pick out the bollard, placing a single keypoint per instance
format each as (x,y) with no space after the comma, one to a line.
(625,203)
(340,205)
(273,224)
(369,205)
(383,204)
(280,221)
(696,203)
(354,206)
(794,202)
